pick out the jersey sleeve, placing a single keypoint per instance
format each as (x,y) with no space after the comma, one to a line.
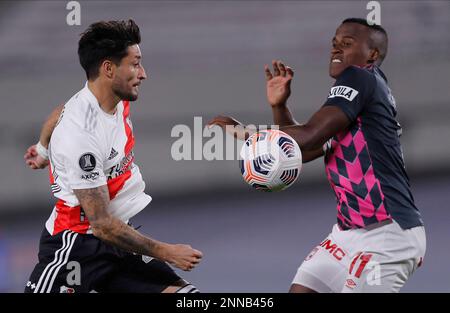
(83,160)
(351,91)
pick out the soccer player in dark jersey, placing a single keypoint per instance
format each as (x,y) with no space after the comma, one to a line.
(379,238)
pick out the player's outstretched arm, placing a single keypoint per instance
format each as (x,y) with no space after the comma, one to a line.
(232,126)
(242,132)
(278,86)
(110,229)
(36,155)
(323,125)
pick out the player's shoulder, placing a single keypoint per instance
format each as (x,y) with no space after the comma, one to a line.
(360,73)
(81,113)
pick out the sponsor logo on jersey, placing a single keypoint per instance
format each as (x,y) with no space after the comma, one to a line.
(333,249)
(343,92)
(90,176)
(125,164)
(87,162)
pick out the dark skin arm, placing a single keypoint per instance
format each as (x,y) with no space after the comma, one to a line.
(110,229)
(283,117)
(324,124)
(278,86)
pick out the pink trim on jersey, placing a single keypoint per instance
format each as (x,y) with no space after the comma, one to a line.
(354,174)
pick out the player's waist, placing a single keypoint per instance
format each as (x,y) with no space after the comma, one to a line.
(369,227)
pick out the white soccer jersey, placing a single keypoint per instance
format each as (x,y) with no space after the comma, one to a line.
(90,148)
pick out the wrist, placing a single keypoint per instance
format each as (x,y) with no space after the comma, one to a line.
(279,105)
(162,251)
(42,151)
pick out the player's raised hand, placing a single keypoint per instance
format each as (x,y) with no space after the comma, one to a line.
(183,257)
(33,160)
(231,126)
(278,83)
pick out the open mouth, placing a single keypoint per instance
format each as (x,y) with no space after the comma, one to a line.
(336,61)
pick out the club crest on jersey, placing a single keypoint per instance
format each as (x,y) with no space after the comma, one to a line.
(343,92)
(87,162)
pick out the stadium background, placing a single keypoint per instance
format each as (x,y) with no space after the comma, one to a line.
(206,58)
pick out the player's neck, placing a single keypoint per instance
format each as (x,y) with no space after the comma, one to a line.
(106,98)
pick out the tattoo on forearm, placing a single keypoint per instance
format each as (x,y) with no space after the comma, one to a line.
(110,229)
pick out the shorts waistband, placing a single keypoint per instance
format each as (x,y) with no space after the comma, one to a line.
(379,224)
(369,227)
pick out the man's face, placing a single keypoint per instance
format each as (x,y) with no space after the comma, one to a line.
(349,47)
(128,75)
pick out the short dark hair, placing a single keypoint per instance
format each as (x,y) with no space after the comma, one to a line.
(106,40)
(378,38)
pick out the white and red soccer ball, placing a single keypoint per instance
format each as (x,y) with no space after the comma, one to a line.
(271,160)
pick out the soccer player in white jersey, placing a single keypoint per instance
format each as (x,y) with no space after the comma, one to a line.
(98,186)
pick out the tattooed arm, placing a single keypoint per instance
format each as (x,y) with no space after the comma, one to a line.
(110,229)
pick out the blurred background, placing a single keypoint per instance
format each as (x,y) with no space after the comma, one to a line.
(206,58)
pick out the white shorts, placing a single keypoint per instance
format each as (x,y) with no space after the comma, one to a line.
(379,258)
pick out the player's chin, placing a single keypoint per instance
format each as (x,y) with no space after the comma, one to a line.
(335,70)
(132,96)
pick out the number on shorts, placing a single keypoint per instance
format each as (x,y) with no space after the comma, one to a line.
(364,259)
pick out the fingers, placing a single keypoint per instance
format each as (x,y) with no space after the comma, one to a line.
(279,69)
(198,254)
(195,259)
(282,68)
(222,121)
(267,72)
(31,152)
(186,258)
(189,265)
(32,164)
(276,69)
(216,121)
(289,71)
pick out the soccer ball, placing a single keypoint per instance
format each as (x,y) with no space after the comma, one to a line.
(271,160)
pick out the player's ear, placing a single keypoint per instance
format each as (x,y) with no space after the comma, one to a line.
(373,55)
(107,67)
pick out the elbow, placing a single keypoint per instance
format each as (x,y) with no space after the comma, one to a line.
(311,143)
(314,141)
